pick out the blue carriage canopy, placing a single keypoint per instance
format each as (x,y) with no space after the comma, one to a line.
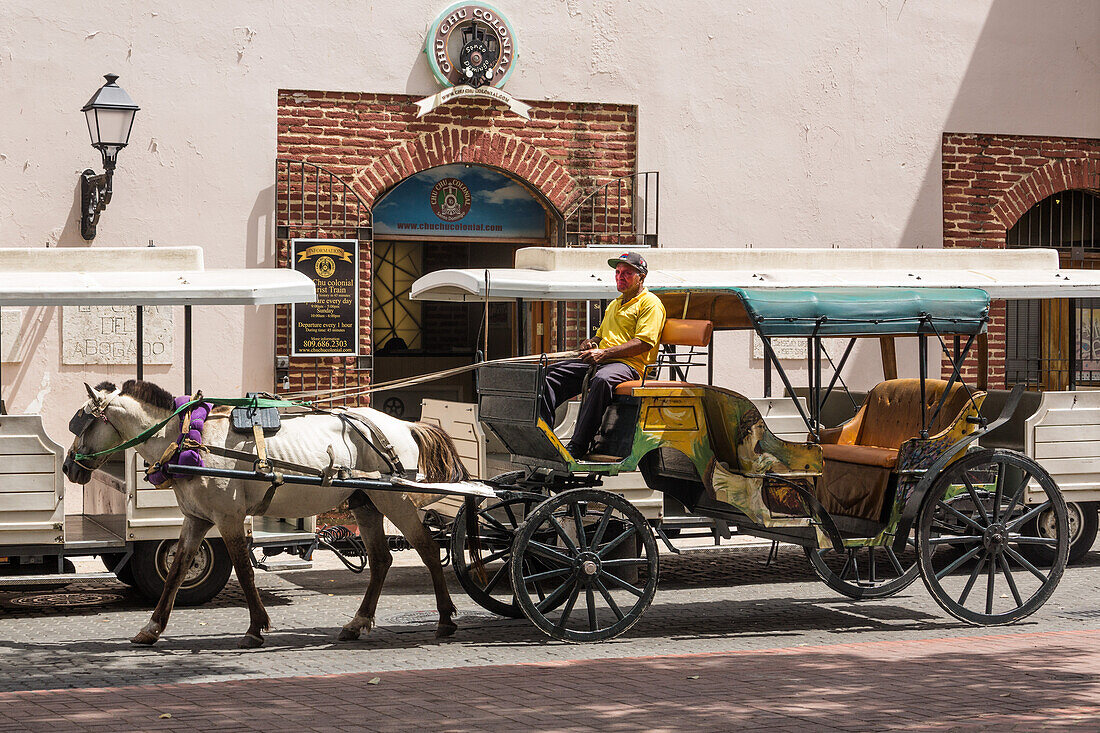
(870,311)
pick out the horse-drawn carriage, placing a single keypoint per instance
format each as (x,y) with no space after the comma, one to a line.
(902,489)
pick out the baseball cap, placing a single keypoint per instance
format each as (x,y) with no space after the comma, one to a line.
(633,259)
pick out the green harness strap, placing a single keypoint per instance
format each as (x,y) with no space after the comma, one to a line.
(257,402)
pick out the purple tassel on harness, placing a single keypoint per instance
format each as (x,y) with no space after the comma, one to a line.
(189,456)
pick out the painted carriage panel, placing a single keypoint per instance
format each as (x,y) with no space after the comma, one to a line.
(32,508)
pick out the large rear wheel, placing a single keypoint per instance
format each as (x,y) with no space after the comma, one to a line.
(591,550)
(976,506)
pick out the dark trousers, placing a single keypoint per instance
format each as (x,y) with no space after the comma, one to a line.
(564,381)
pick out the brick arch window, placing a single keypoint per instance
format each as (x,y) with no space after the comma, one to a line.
(1055,344)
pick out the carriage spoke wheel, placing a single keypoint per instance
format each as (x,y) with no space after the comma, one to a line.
(490,586)
(977,508)
(866,572)
(591,550)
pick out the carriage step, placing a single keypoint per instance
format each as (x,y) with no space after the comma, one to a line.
(274,567)
(7,581)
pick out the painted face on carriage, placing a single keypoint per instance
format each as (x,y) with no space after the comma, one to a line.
(93,432)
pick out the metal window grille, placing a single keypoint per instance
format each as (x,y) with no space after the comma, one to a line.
(1056,344)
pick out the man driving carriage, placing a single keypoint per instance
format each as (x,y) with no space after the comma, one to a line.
(625,344)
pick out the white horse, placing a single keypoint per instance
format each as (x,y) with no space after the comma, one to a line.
(112,416)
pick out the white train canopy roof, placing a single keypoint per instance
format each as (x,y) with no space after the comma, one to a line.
(139,276)
(545,273)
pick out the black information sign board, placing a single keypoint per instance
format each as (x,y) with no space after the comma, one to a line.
(330,326)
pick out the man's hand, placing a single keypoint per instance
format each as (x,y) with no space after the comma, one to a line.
(593,356)
(588,344)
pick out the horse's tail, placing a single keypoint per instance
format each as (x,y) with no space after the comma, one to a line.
(439,461)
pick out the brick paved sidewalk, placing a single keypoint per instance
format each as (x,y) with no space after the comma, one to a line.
(1023,681)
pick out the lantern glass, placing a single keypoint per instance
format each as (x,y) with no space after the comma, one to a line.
(109,127)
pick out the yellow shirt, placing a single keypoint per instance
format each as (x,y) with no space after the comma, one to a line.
(641,318)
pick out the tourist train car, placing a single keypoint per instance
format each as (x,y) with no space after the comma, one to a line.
(130,524)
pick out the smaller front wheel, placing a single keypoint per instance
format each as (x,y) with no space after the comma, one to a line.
(208,574)
(976,506)
(592,550)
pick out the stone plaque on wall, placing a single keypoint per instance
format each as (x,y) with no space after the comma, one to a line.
(106,334)
(795,348)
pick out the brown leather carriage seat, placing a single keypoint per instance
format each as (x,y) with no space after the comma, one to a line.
(677,332)
(860,455)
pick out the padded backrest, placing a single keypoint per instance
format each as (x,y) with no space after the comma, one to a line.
(893,411)
(686,332)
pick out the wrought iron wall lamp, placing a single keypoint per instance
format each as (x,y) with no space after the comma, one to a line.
(110,114)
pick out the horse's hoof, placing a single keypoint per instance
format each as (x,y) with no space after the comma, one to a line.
(249,641)
(348,635)
(443,630)
(144,638)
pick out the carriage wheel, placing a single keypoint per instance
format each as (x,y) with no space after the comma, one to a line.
(593,550)
(497,522)
(866,572)
(977,506)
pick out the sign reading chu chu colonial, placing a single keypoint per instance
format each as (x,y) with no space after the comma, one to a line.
(471,49)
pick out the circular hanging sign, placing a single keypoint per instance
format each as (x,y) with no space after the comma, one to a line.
(450,199)
(472,44)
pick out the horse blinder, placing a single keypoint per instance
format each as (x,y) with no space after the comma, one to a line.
(80,422)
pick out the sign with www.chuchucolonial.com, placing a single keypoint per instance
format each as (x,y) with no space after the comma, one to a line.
(460,201)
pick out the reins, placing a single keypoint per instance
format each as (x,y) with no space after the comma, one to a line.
(259,402)
(421,378)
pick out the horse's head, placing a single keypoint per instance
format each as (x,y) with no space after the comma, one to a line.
(94,432)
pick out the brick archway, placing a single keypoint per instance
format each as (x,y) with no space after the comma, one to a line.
(484,147)
(1056,176)
(990,181)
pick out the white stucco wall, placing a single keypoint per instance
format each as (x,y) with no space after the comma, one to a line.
(772,123)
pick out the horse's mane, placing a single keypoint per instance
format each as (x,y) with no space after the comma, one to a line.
(148,393)
(439,459)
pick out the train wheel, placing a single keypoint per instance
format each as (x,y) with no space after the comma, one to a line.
(592,550)
(1082,532)
(208,574)
(497,522)
(989,580)
(865,573)
(126,573)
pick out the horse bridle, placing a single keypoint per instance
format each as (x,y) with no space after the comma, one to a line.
(84,418)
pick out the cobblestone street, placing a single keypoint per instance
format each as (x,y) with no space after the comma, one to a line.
(728,643)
